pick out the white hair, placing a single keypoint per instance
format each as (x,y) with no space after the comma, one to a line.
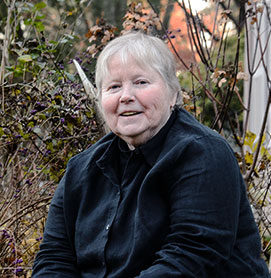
(148,51)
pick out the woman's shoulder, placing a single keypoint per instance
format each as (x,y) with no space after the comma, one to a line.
(187,134)
(190,144)
(187,126)
(93,152)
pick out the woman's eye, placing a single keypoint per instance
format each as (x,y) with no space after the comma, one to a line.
(141,82)
(113,87)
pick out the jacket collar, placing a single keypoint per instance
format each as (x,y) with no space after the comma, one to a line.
(153,147)
(108,162)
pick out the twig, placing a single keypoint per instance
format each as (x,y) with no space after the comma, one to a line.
(5,51)
(207,92)
(15,216)
(248,176)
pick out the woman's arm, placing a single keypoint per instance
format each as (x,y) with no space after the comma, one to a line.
(56,258)
(205,190)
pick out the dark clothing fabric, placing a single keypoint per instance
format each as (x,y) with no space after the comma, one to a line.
(174,207)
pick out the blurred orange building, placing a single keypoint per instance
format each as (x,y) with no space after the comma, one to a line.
(180,35)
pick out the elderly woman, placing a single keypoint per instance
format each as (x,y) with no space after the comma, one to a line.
(159,196)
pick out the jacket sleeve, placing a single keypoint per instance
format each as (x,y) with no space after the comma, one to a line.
(204,191)
(56,258)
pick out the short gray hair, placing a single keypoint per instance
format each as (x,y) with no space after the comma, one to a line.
(148,51)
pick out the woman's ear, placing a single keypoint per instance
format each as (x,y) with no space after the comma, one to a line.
(173,101)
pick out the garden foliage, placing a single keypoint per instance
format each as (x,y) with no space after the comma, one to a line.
(46,117)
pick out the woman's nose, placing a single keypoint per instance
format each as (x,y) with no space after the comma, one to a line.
(127,94)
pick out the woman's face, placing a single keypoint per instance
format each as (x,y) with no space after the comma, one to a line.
(135,101)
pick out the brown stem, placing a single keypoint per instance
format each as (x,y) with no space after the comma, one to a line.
(207,92)
(248,176)
(17,215)
(5,51)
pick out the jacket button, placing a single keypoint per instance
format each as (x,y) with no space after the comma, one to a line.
(107,227)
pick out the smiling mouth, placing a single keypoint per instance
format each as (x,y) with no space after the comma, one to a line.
(127,114)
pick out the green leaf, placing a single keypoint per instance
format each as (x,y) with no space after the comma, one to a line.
(46,171)
(24,8)
(39,17)
(50,146)
(42,116)
(54,142)
(71,37)
(28,21)
(70,76)
(249,158)
(34,56)
(63,41)
(7,74)
(25,58)
(89,114)
(10,68)
(40,65)
(38,131)
(40,5)
(250,139)
(21,51)
(26,136)
(70,127)
(53,42)
(31,124)
(39,25)
(66,38)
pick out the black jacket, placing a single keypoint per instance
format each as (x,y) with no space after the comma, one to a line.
(179,210)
